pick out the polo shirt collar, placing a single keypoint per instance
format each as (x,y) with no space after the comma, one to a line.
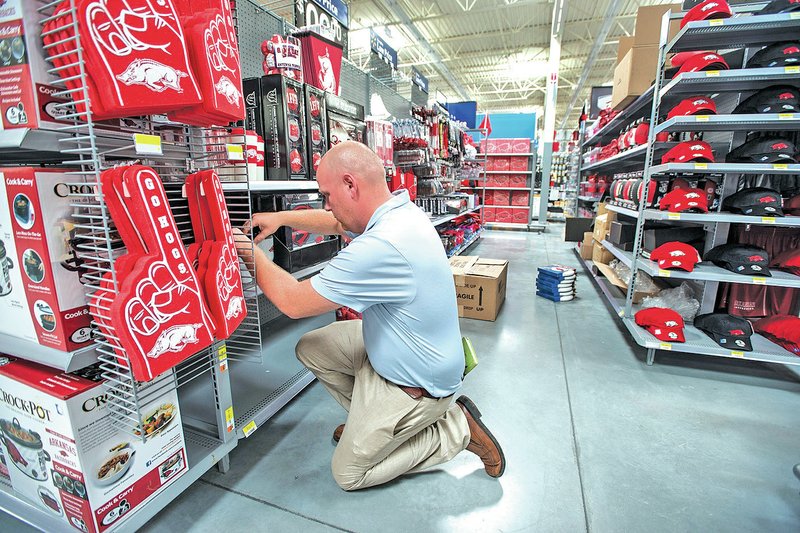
(399,198)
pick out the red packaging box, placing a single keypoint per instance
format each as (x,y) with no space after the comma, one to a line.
(489,198)
(67,456)
(518,163)
(519,198)
(501,197)
(521,216)
(503,215)
(501,180)
(488,214)
(520,146)
(491,181)
(503,146)
(492,146)
(517,180)
(322,61)
(502,164)
(43,300)
(490,164)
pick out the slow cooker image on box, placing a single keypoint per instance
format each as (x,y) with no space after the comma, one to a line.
(24,449)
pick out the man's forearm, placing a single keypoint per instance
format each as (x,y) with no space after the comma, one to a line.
(311,220)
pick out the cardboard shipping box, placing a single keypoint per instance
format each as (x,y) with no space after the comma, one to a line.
(647,30)
(587,245)
(634,75)
(66,455)
(600,254)
(602,225)
(625,44)
(605,269)
(480,285)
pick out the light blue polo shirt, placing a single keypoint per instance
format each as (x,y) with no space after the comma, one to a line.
(397,274)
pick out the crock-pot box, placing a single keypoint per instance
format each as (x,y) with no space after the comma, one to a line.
(41,297)
(64,454)
(25,83)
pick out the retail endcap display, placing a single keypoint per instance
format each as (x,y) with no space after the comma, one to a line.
(689,151)
(676,255)
(758,201)
(776,55)
(707,10)
(780,6)
(662,323)
(781,329)
(744,259)
(698,61)
(685,201)
(728,331)
(696,105)
(775,99)
(761,150)
(788,260)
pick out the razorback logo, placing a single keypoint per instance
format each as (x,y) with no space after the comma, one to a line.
(709,57)
(736,332)
(699,102)
(791,50)
(676,253)
(671,324)
(780,146)
(786,96)
(697,147)
(708,6)
(692,195)
(767,199)
(756,259)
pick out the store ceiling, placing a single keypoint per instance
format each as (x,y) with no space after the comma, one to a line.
(497,50)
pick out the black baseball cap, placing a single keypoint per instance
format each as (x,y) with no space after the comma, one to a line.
(728,331)
(758,201)
(780,6)
(775,99)
(744,259)
(776,55)
(764,150)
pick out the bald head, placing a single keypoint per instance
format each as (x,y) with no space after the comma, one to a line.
(356,159)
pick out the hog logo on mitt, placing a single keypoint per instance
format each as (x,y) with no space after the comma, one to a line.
(226,88)
(175,339)
(155,75)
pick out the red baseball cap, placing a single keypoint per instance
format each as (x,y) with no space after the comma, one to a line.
(707,10)
(662,323)
(788,260)
(698,61)
(781,329)
(676,254)
(696,105)
(683,200)
(689,151)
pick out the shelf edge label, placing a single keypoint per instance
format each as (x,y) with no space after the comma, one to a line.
(759,281)
(249,428)
(737,354)
(700,166)
(664,273)
(767,220)
(145,144)
(786,116)
(673,216)
(792,69)
(665,346)
(780,166)
(701,118)
(713,73)
(229,423)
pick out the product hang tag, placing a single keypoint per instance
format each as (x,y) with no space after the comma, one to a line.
(145,144)
(235,152)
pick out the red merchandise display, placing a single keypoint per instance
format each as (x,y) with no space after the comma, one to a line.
(502,198)
(316,127)
(521,216)
(488,214)
(502,164)
(503,215)
(516,180)
(519,198)
(518,164)
(322,61)
(283,56)
(159,315)
(502,180)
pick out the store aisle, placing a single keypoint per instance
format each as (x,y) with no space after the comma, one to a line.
(595,440)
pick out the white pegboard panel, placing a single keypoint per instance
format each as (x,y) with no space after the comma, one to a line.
(353,85)
(255,26)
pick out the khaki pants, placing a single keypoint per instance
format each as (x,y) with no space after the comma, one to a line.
(387,433)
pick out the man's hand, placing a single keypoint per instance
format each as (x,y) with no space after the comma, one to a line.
(267,224)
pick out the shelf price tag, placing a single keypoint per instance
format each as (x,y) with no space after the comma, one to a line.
(737,354)
(701,118)
(759,281)
(249,428)
(665,346)
(792,69)
(785,116)
(673,216)
(700,166)
(664,273)
(235,152)
(716,22)
(229,423)
(767,220)
(794,15)
(712,73)
(145,144)
(780,166)
(222,355)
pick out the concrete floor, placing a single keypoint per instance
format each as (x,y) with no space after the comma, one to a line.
(595,440)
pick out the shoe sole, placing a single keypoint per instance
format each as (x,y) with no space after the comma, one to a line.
(475,413)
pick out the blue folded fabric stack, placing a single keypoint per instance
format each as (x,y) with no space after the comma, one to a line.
(556,283)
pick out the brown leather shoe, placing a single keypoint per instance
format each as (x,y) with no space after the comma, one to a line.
(337,433)
(481,441)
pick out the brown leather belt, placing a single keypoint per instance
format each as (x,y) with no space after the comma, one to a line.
(417,392)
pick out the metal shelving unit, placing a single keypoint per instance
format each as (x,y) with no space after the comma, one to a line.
(764,122)
(637,109)
(447,218)
(33,351)
(705,272)
(465,245)
(706,218)
(271,186)
(745,32)
(626,159)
